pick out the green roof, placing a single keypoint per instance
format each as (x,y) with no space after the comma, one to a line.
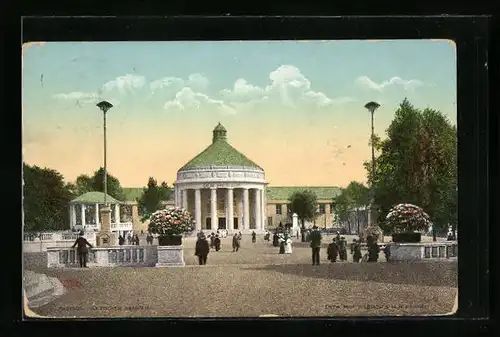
(284,192)
(220,152)
(272,193)
(94,198)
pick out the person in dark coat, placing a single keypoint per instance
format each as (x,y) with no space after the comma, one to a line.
(254,237)
(217,243)
(212,240)
(387,253)
(282,244)
(373,249)
(136,240)
(236,242)
(201,250)
(81,248)
(343,249)
(332,251)
(356,252)
(276,239)
(315,238)
(121,240)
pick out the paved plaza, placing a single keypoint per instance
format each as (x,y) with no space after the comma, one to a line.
(255,281)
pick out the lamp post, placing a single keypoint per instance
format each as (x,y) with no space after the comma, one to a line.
(105,106)
(372,106)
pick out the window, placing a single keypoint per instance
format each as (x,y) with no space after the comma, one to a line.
(289,209)
(332,205)
(278,209)
(321,208)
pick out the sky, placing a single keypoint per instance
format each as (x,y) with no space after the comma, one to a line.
(296,108)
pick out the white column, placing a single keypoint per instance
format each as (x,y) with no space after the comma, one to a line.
(213,213)
(246,210)
(176,195)
(261,210)
(83,215)
(197,209)
(185,198)
(117,213)
(229,210)
(263,206)
(73,215)
(97,214)
(256,208)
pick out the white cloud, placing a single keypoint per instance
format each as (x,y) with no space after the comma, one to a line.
(365,81)
(186,98)
(84,98)
(196,81)
(126,83)
(288,86)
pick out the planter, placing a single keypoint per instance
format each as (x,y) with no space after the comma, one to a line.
(409,237)
(171,240)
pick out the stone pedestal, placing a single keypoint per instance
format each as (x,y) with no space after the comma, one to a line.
(424,251)
(170,256)
(105,237)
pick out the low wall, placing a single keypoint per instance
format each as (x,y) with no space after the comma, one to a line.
(133,256)
(424,251)
(56,239)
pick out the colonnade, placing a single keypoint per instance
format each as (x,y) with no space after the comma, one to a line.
(181,200)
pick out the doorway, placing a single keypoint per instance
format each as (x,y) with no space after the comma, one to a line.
(222,223)
(208,223)
(235,223)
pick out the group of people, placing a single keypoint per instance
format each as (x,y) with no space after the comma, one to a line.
(203,246)
(131,239)
(338,248)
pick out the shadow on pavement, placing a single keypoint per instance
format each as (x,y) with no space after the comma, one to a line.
(443,274)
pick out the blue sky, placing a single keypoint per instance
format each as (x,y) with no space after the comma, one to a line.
(177,91)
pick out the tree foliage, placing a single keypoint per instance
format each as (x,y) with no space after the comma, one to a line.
(45,199)
(417,164)
(304,203)
(152,196)
(85,183)
(353,197)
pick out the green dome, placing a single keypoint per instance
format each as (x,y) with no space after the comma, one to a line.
(220,152)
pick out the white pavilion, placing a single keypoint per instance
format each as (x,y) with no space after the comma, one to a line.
(85,215)
(223,188)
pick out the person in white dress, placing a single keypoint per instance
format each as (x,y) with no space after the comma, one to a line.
(288,245)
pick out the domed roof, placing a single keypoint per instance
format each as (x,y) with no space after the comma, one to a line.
(220,152)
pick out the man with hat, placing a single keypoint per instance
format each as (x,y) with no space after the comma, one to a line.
(82,250)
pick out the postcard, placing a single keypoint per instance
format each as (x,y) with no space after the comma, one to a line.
(240,178)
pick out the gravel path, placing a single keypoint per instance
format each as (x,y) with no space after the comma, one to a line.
(255,281)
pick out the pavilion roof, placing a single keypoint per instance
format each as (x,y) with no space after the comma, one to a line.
(94,198)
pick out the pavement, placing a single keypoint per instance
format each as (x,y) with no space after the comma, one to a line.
(255,281)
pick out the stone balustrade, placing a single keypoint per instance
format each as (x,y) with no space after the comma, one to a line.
(424,251)
(59,239)
(145,256)
(121,226)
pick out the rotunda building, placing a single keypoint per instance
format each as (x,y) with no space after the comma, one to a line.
(222,188)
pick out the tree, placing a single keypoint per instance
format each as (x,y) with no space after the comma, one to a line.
(152,196)
(85,183)
(417,164)
(45,199)
(303,203)
(352,198)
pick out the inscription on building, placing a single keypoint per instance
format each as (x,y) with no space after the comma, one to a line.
(221,185)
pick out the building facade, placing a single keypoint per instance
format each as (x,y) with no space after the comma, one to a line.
(223,189)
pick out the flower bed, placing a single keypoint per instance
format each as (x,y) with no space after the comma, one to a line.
(407,221)
(170,224)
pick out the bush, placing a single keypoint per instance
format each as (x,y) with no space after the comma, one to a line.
(407,218)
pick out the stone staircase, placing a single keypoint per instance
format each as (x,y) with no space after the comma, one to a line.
(41,289)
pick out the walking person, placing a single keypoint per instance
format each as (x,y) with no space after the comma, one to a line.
(332,251)
(202,249)
(315,238)
(217,243)
(81,249)
(236,242)
(254,237)
(356,252)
